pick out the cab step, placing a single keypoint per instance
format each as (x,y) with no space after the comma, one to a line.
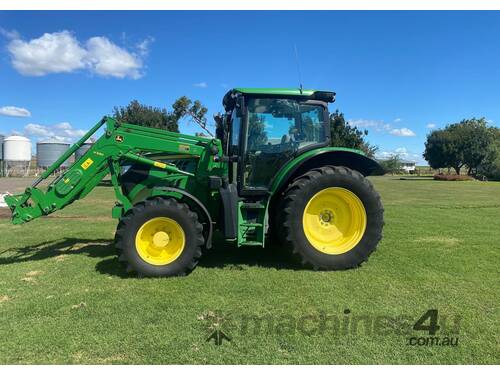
(251,219)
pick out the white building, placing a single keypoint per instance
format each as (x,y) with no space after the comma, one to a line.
(408,166)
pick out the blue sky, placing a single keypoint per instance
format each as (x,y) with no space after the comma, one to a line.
(397,74)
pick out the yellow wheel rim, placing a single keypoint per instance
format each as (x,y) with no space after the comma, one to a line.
(160,241)
(334,220)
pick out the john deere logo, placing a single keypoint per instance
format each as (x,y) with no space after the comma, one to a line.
(119,138)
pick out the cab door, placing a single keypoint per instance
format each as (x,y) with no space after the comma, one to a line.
(277,130)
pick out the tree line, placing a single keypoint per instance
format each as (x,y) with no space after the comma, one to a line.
(469,144)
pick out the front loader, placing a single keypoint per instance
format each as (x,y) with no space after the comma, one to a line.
(269,173)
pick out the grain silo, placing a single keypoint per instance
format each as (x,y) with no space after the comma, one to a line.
(1,155)
(83,149)
(1,146)
(16,155)
(47,152)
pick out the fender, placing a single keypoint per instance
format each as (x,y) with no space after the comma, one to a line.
(339,156)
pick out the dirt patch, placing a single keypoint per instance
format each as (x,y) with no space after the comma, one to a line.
(84,218)
(29,280)
(34,273)
(5,213)
(30,277)
(446,241)
(16,185)
(4,299)
(61,258)
(81,305)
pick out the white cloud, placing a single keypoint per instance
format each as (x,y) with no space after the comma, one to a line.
(377,125)
(201,85)
(14,111)
(9,34)
(107,59)
(61,52)
(402,132)
(402,152)
(430,126)
(63,126)
(61,132)
(382,126)
(398,120)
(37,130)
(144,46)
(51,53)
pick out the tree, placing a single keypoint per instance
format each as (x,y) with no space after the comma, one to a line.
(442,150)
(490,167)
(140,114)
(257,135)
(475,140)
(154,117)
(200,134)
(391,165)
(344,135)
(466,143)
(197,111)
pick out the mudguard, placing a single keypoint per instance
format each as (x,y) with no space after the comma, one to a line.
(337,156)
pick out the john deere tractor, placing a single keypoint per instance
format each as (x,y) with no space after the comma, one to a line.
(270,172)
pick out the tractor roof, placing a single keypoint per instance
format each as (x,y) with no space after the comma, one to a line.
(327,96)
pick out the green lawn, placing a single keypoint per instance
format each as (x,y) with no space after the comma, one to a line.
(65,298)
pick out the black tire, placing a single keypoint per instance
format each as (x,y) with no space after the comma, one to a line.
(295,199)
(146,210)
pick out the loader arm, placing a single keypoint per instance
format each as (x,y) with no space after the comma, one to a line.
(119,142)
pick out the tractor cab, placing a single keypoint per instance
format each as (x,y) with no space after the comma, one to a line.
(266,128)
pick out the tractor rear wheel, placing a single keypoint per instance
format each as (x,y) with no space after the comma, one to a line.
(160,237)
(332,218)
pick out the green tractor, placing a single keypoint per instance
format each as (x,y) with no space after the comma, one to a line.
(270,172)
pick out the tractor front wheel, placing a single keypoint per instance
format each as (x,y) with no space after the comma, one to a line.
(332,218)
(160,237)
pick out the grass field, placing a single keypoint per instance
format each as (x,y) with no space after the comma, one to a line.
(65,298)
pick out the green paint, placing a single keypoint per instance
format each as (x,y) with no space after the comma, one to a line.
(283,172)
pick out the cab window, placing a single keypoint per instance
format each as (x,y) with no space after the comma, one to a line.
(278,128)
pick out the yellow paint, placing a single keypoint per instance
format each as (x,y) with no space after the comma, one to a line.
(87,163)
(334,220)
(159,164)
(66,180)
(160,241)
